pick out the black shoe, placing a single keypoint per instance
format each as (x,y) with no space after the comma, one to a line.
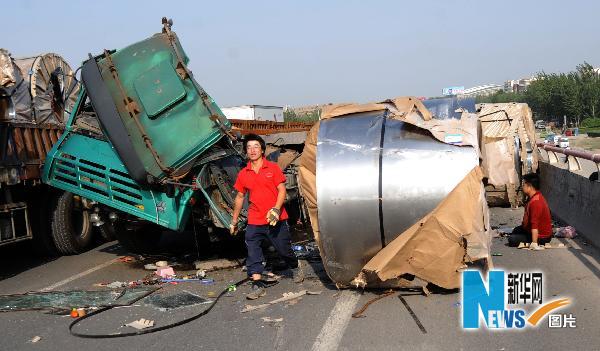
(258,290)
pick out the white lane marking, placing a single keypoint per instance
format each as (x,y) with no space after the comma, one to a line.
(79,275)
(278,344)
(333,330)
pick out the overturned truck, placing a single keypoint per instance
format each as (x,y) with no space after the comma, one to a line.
(145,146)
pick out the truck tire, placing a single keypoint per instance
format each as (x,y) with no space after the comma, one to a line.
(71,227)
(136,237)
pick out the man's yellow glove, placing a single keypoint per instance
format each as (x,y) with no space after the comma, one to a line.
(273,216)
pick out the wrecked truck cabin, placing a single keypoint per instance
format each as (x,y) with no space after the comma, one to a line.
(146,145)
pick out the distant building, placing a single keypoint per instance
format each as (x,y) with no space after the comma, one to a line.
(254,112)
(517,85)
(452,91)
(481,90)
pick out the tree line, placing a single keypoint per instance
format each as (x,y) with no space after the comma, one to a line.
(289,115)
(551,96)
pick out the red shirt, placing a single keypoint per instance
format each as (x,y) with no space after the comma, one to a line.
(263,190)
(537,216)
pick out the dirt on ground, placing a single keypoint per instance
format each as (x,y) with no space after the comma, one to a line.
(585,143)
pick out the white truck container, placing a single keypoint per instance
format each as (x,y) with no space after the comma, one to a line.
(254,113)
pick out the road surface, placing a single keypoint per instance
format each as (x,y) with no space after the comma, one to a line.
(316,322)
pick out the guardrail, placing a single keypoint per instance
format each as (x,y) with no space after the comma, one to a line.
(573,156)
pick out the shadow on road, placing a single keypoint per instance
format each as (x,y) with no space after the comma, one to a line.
(587,254)
(19,257)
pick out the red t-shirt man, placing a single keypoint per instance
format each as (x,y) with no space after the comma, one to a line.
(536,227)
(262,188)
(537,216)
(265,184)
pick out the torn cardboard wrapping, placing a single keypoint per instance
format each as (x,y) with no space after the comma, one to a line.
(437,247)
(462,132)
(307,172)
(500,125)
(436,259)
(7,69)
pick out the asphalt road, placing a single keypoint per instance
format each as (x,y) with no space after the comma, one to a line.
(315,322)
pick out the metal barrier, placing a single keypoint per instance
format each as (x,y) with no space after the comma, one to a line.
(573,156)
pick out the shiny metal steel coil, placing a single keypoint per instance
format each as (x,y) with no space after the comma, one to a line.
(375,178)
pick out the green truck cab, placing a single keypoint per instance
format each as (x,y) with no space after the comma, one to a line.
(145,144)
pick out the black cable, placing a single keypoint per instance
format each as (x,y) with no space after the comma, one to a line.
(145,331)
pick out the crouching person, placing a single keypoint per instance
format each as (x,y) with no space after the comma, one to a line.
(536,227)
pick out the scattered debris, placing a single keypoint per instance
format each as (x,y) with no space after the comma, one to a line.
(205,281)
(35,339)
(568,232)
(217,264)
(161,264)
(116,285)
(141,324)
(504,231)
(74,313)
(496,254)
(182,299)
(557,246)
(308,251)
(201,273)
(63,301)
(271,320)
(127,259)
(286,297)
(165,272)
(81,312)
(359,313)
(231,288)
(150,267)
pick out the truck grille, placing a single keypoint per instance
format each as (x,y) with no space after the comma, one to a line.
(109,184)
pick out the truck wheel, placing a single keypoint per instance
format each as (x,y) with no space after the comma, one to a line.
(71,227)
(140,238)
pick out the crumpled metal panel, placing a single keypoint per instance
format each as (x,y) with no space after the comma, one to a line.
(412,171)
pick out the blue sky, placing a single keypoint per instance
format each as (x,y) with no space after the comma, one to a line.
(307,52)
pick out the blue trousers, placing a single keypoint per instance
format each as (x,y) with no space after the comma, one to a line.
(278,236)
